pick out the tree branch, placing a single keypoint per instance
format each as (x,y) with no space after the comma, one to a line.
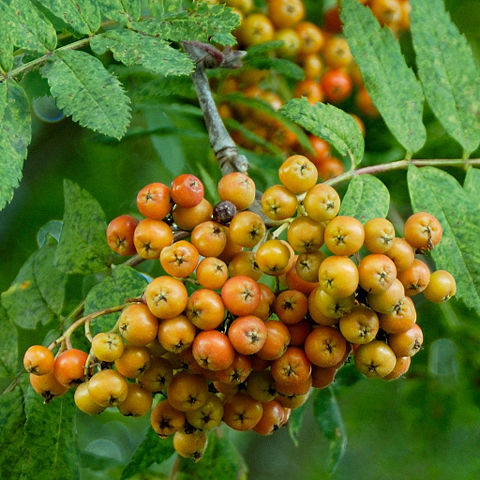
(402,165)
(224,148)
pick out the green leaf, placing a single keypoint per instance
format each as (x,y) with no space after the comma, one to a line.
(152,450)
(163,7)
(83,246)
(161,87)
(261,48)
(82,15)
(330,123)
(12,420)
(366,197)
(472,181)
(394,89)
(132,48)
(329,419)
(115,10)
(280,65)
(125,283)
(448,72)
(204,23)
(295,422)
(8,347)
(84,89)
(51,229)
(15,135)
(133,8)
(27,27)
(435,191)
(220,461)
(37,294)
(6,48)
(50,450)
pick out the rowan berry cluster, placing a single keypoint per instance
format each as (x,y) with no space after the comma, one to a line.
(320,49)
(243,323)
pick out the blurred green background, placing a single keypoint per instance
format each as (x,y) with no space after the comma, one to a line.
(424,427)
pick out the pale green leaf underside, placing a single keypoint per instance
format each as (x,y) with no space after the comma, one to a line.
(15,135)
(458,211)
(203,23)
(329,418)
(394,89)
(27,27)
(330,123)
(132,48)
(447,69)
(36,295)
(50,429)
(84,89)
(366,198)
(83,247)
(82,15)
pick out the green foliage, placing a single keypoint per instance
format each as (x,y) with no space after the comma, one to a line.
(221,461)
(15,134)
(448,72)
(36,295)
(264,107)
(82,15)
(27,27)
(280,65)
(394,89)
(83,247)
(438,193)
(202,23)
(125,283)
(152,450)
(329,419)
(8,347)
(366,197)
(12,420)
(85,90)
(160,87)
(330,123)
(132,48)
(295,422)
(50,450)
(6,48)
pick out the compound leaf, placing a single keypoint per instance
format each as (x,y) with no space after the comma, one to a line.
(435,191)
(221,461)
(85,90)
(394,89)
(120,10)
(132,48)
(50,428)
(204,23)
(448,72)
(330,123)
(82,247)
(329,419)
(125,283)
(27,27)
(366,197)
(15,135)
(152,450)
(36,295)
(82,15)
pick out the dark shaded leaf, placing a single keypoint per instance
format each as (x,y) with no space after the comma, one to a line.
(83,246)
